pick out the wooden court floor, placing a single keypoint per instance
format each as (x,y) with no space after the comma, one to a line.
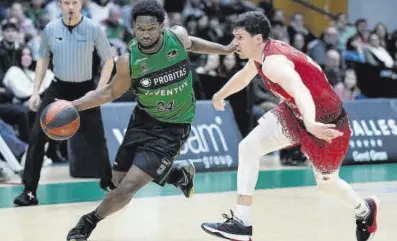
(287,207)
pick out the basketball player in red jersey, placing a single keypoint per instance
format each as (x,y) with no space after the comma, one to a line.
(311,115)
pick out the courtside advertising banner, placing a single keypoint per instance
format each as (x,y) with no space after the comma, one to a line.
(374,131)
(211,146)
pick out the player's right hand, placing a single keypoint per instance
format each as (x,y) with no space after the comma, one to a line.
(218,103)
(231,48)
(323,131)
(34,102)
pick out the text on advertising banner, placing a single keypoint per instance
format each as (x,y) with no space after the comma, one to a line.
(374,131)
(211,146)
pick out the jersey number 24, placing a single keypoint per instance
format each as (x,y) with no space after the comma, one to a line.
(162,106)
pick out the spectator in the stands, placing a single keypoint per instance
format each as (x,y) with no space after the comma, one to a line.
(20,79)
(228,66)
(17,147)
(25,24)
(377,55)
(36,12)
(299,42)
(345,31)
(210,67)
(175,18)
(114,27)
(318,48)
(362,30)
(10,50)
(13,114)
(203,27)
(99,9)
(332,68)
(348,89)
(297,25)
(193,8)
(354,50)
(279,32)
(383,35)
(278,16)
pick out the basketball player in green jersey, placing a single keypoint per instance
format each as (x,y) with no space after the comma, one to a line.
(157,68)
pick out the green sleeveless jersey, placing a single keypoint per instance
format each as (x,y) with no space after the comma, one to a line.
(163,80)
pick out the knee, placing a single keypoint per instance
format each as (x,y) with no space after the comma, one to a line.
(243,151)
(127,189)
(326,181)
(247,146)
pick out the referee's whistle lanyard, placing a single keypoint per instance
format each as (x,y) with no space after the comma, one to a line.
(70,18)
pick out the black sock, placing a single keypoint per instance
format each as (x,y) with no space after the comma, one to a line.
(94,217)
(176,176)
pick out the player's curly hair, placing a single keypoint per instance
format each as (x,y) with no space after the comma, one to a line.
(148,8)
(254,22)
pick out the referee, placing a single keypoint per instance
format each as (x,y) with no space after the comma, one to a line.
(69,42)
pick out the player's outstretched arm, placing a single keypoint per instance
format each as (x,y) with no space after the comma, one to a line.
(238,82)
(201,46)
(120,83)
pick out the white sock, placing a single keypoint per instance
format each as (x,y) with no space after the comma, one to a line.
(243,213)
(362,210)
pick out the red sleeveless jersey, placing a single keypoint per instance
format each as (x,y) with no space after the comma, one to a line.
(328,104)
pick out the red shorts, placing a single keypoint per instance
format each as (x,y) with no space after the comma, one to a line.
(326,157)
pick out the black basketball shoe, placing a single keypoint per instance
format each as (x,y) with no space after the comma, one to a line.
(82,230)
(366,227)
(187,183)
(232,229)
(26,198)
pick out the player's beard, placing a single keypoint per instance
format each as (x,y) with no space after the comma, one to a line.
(149,46)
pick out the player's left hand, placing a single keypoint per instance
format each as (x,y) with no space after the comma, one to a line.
(218,103)
(323,131)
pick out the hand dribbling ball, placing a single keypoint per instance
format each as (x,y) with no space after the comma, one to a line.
(60,120)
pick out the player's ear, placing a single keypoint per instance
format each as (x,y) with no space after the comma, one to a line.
(258,38)
(162,27)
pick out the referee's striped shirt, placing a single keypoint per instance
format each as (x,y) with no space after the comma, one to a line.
(72,48)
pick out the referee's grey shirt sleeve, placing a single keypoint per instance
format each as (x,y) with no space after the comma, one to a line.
(102,45)
(44,50)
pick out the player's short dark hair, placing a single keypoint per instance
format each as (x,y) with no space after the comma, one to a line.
(148,8)
(254,22)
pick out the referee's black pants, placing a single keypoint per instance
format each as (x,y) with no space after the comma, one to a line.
(91,127)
